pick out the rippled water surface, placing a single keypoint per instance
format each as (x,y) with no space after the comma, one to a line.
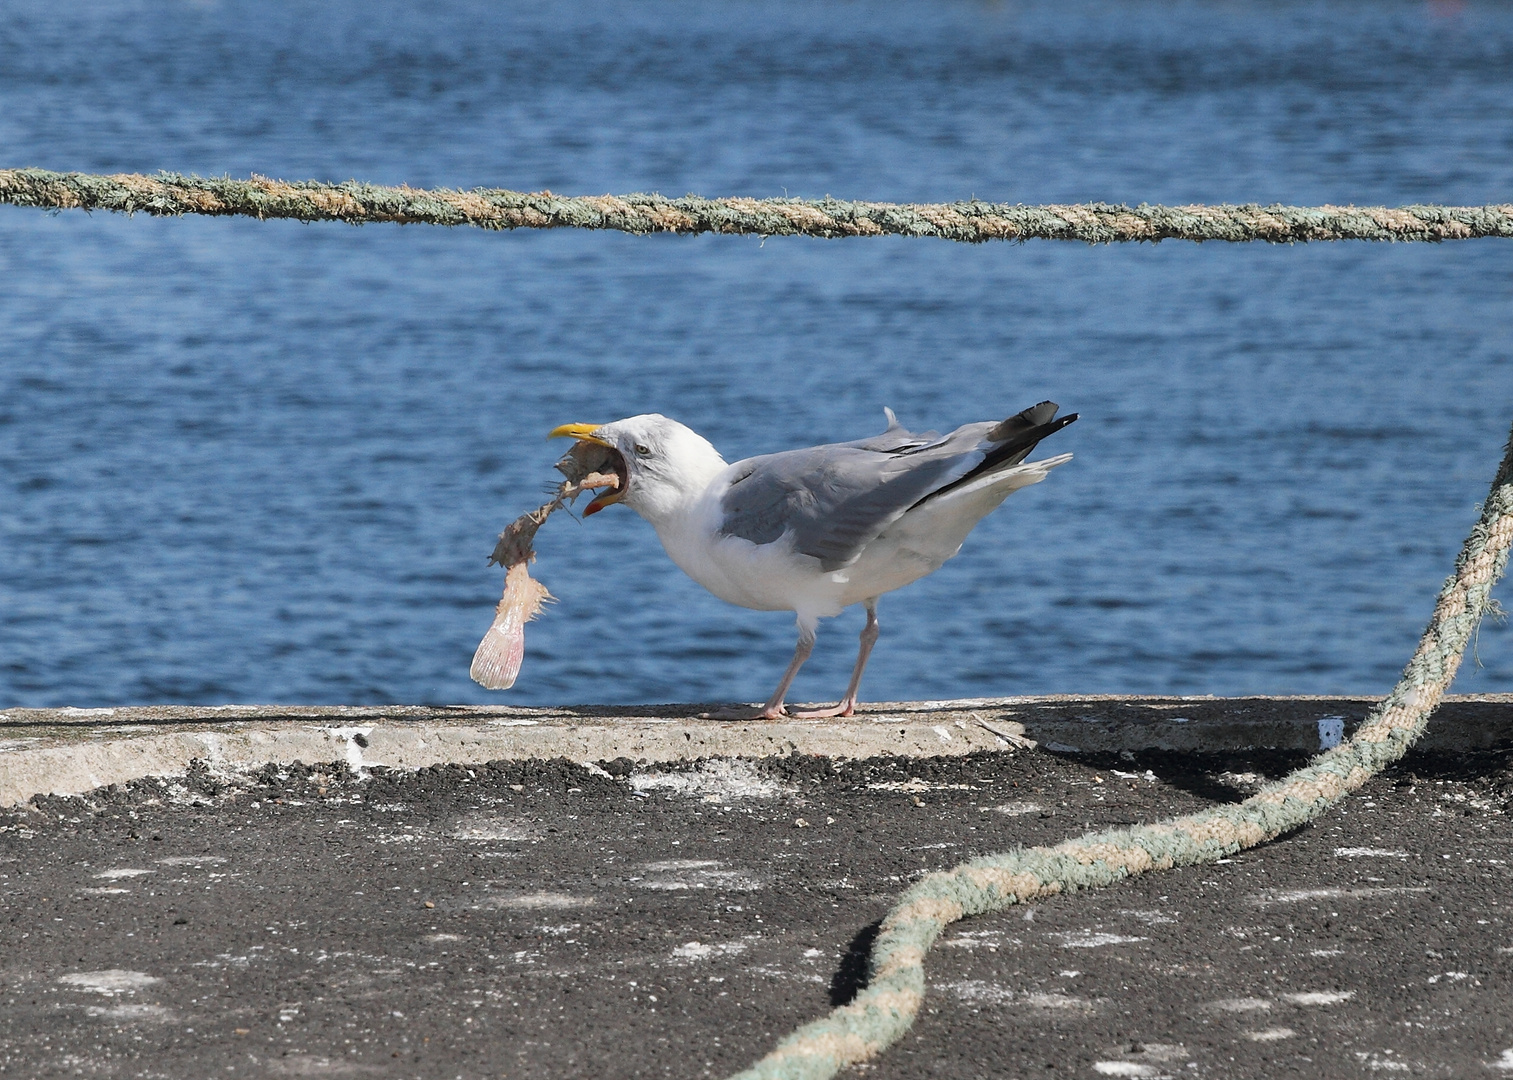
(262,461)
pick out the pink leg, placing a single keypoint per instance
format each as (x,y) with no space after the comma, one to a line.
(774,707)
(847,707)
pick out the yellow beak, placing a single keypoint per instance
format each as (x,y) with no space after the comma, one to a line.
(585,432)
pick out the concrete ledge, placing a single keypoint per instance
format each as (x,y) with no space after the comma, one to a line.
(69,751)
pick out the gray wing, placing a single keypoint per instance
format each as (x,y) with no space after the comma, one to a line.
(836,499)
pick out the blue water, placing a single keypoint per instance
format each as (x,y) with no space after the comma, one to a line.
(263,461)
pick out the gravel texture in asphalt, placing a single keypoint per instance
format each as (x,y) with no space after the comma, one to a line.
(552,919)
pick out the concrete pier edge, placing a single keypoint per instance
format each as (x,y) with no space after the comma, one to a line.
(71,751)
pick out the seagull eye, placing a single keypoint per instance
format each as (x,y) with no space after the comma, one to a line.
(643,449)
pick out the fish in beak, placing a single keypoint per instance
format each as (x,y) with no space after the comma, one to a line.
(593,462)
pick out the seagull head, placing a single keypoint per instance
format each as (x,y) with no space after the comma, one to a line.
(662,464)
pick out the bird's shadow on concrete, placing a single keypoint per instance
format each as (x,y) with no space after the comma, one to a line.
(850,977)
(1234,777)
(1219,778)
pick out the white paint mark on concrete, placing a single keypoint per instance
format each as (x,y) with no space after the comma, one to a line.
(1331,731)
(192,860)
(311,1065)
(726,778)
(1058,1001)
(984,939)
(440,938)
(1015,809)
(127,1014)
(110,982)
(122,872)
(481,828)
(1368,853)
(1149,918)
(787,974)
(673,875)
(349,735)
(914,786)
(1319,997)
(666,866)
(114,891)
(980,992)
(1125,1068)
(1092,939)
(1504,1063)
(1293,896)
(1381,1063)
(1162,1052)
(1275,1034)
(698,950)
(1239,1005)
(544,900)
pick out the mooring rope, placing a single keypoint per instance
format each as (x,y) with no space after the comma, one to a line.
(895,989)
(970,222)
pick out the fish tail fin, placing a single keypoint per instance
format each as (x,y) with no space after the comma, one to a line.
(496,663)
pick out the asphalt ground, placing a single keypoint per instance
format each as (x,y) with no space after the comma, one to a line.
(549,919)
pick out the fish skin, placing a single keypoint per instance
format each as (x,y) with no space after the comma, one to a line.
(496,663)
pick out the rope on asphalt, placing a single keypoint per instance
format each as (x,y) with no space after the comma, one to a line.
(883,1011)
(969,222)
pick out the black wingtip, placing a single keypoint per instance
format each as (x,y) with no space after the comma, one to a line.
(1035,416)
(1015,439)
(1041,413)
(1052,426)
(1017,436)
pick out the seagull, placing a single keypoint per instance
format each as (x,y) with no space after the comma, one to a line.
(816,530)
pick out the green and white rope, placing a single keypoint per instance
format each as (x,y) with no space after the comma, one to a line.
(970,222)
(883,1011)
